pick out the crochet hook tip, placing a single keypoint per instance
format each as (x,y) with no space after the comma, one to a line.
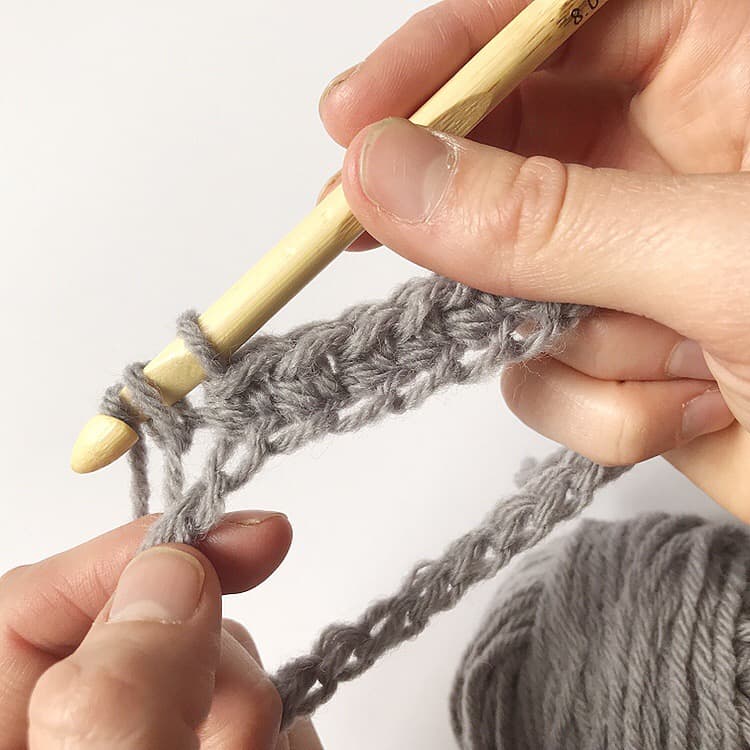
(102,440)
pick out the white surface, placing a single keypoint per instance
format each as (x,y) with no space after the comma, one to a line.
(149,153)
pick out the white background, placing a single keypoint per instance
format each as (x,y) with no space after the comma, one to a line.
(149,153)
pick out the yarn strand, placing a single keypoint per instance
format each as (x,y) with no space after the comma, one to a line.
(280,392)
(625,636)
(559,490)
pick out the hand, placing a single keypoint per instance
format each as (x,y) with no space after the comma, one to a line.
(634,201)
(88,662)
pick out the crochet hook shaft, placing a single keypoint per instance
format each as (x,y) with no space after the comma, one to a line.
(493,73)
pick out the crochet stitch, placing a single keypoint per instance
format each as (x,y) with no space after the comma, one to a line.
(627,636)
(280,392)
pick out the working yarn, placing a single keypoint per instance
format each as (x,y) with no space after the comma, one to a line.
(622,635)
(279,392)
(627,616)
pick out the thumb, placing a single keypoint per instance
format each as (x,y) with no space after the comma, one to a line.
(668,247)
(143,677)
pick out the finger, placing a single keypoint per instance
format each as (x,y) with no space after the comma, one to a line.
(240,634)
(539,229)
(717,463)
(245,702)
(300,736)
(415,61)
(238,681)
(733,373)
(610,345)
(46,609)
(245,549)
(144,675)
(572,121)
(612,423)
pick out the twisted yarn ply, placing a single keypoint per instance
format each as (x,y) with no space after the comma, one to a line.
(279,392)
(625,635)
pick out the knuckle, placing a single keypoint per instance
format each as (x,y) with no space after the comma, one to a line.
(13,585)
(537,191)
(266,701)
(443,21)
(71,703)
(631,438)
(527,215)
(623,434)
(258,712)
(236,629)
(241,634)
(10,578)
(428,18)
(591,340)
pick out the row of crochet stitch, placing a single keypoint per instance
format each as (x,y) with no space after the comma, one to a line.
(279,392)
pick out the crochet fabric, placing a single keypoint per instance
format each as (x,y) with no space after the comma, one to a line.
(280,392)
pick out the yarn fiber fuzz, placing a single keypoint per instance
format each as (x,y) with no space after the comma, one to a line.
(629,636)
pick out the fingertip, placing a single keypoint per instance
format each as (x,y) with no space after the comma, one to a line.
(247,547)
(351,171)
(329,186)
(337,106)
(512,381)
(363,243)
(703,414)
(611,422)
(242,635)
(397,179)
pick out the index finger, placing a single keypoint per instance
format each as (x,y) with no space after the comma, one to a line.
(245,549)
(410,65)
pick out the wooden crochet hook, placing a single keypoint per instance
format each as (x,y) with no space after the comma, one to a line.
(524,44)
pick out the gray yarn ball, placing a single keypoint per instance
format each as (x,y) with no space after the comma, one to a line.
(623,635)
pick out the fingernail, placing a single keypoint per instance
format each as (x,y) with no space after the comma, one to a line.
(329,186)
(162,584)
(704,414)
(405,170)
(687,361)
(252,517)
(338,80)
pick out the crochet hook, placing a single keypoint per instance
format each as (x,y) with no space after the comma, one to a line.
(493,73)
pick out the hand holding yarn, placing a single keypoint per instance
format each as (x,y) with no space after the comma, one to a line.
(106,654)
(622,187)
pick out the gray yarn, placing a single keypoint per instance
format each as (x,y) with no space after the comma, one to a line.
(627,636)
(634,635)
(559,489)
(280,392)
